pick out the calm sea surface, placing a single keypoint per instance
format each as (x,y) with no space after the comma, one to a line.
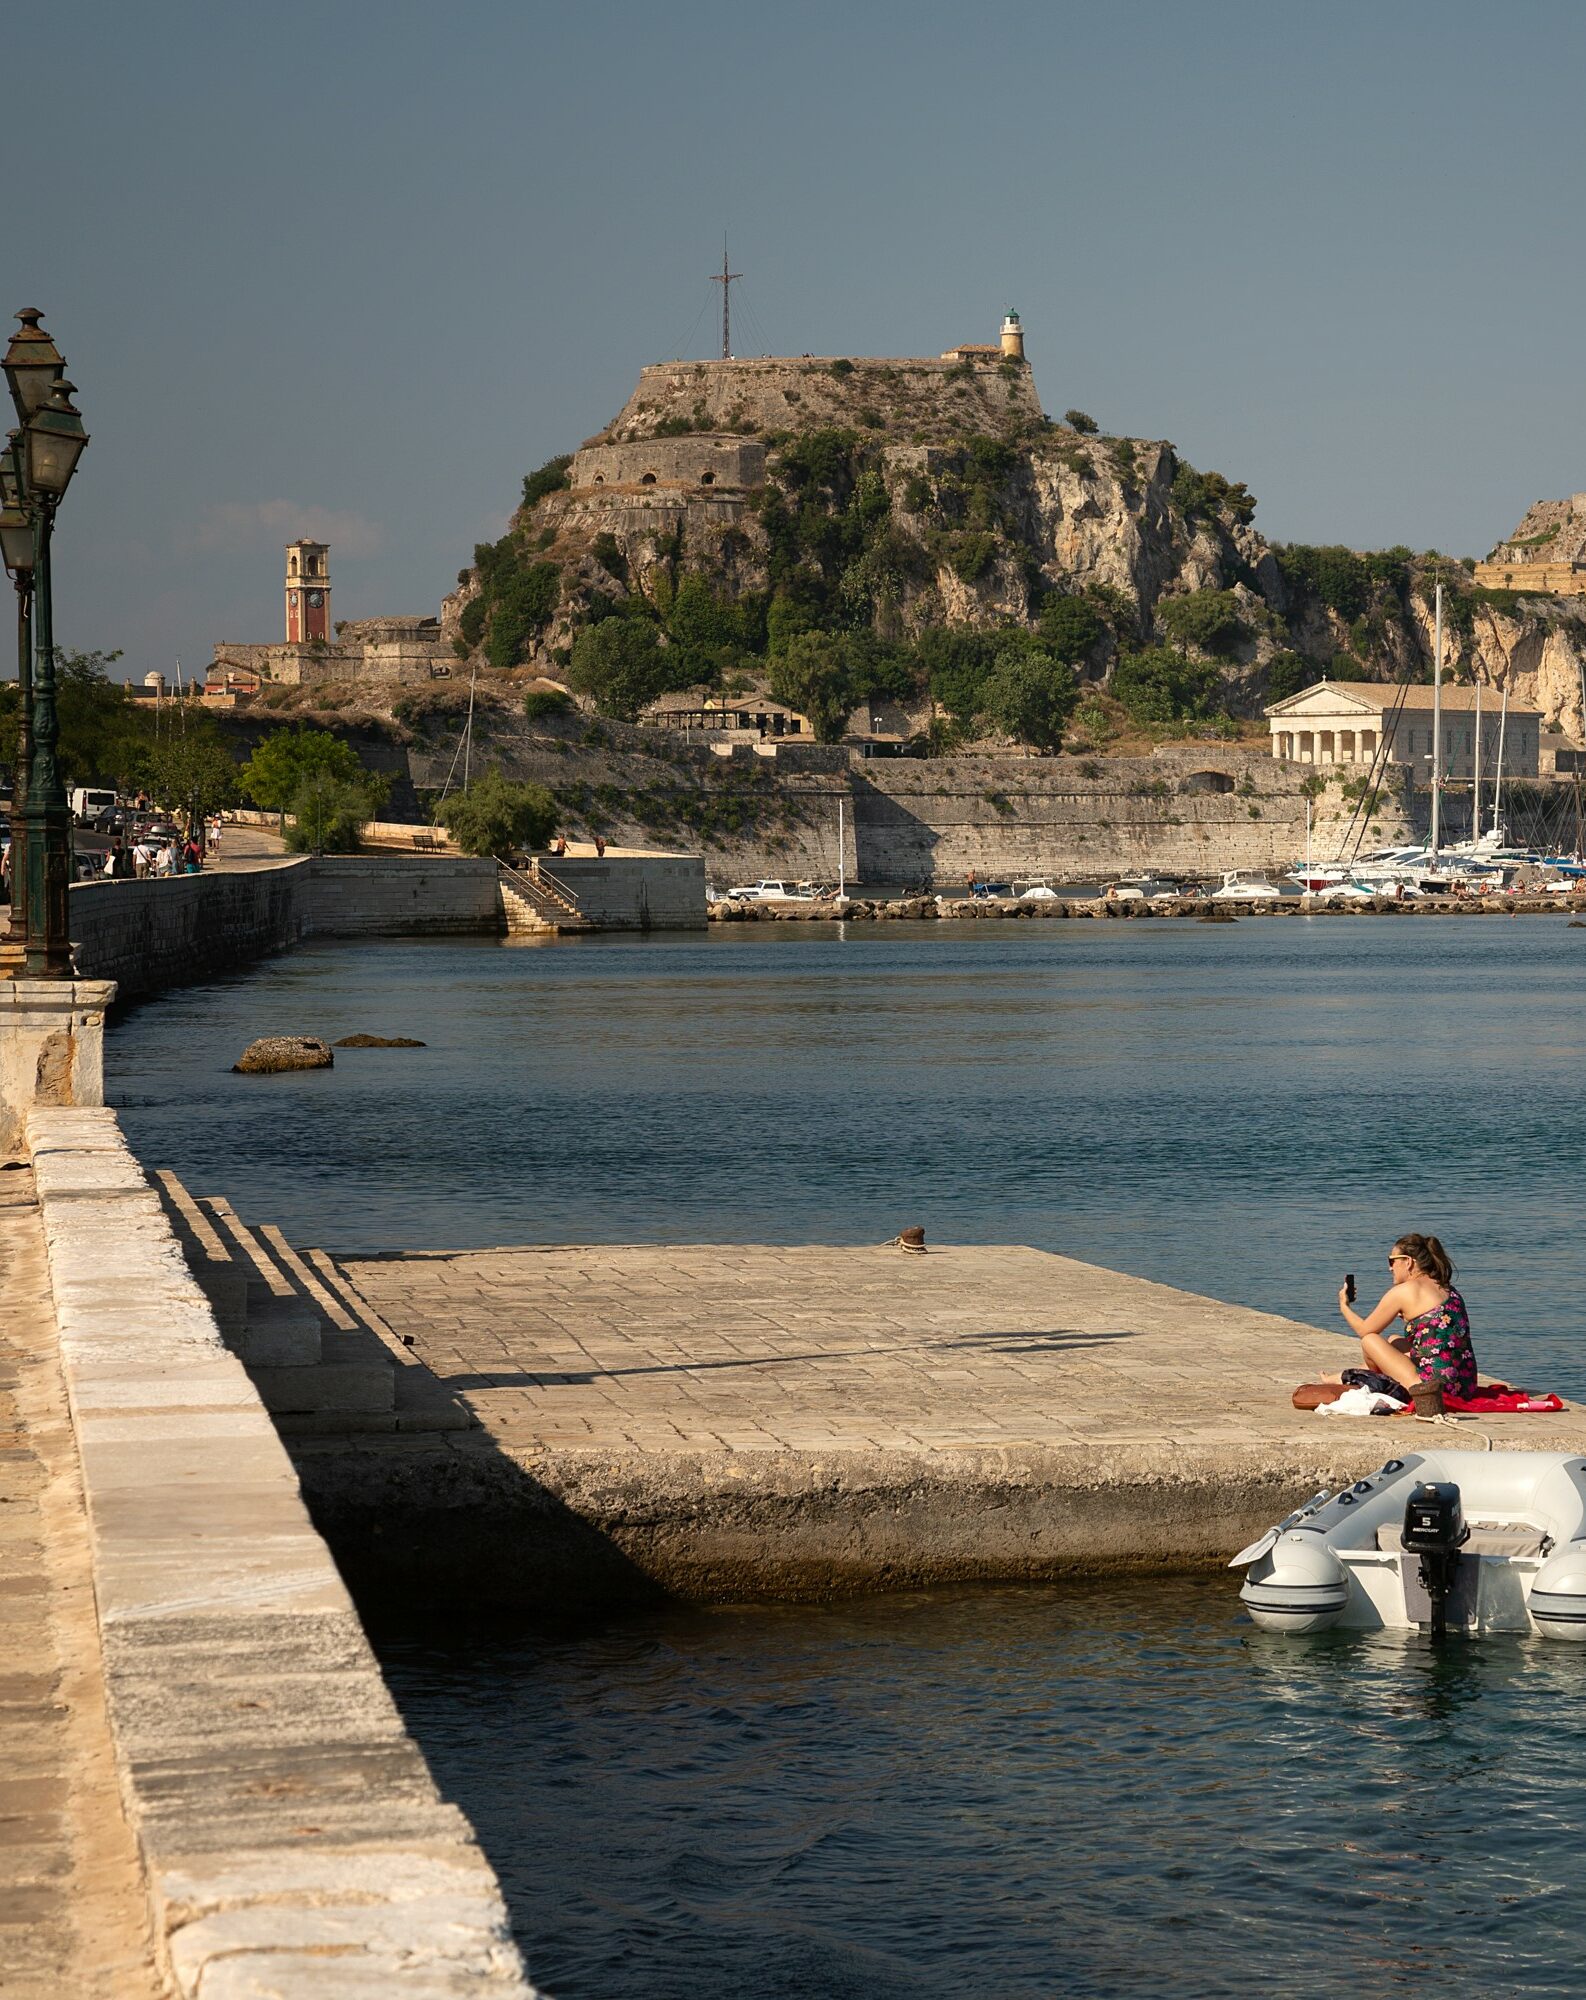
(1101,1790)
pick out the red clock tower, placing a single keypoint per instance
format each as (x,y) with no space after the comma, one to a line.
(307,592)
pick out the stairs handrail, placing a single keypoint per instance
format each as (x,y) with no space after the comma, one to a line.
(541,882)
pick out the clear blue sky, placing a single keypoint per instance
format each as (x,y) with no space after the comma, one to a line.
(353,268)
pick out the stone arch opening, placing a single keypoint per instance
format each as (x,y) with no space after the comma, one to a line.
(1208,781)
(648,479)
(707,479)
(600,479)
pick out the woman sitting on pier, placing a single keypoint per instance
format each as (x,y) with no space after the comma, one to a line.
(1433,1355)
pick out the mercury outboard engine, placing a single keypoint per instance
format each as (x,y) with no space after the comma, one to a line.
(1434,1530)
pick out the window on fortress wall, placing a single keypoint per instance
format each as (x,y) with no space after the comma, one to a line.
(648,479)
(707,479)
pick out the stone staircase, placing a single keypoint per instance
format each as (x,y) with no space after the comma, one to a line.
(535,904)
(322,1360)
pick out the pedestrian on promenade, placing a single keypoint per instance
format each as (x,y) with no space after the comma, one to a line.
(600,847)
(192,856)
(142,858)
(165,859)
(214,834)
(1434,1353)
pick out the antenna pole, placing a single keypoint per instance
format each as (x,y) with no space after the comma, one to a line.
(725,279)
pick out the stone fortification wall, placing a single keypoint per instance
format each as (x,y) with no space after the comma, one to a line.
(1188,810)
(946,398)
(293,1839)
(391,653)
(690,461)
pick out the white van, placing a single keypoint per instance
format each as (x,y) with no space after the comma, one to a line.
(87,803)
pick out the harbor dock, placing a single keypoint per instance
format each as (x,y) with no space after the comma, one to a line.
(746,1421)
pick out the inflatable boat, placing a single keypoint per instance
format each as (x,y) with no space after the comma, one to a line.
(1465,1540)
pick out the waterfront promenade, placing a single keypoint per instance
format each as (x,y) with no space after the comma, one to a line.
(725,1421)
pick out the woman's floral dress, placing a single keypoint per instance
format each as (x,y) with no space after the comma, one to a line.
(1440,1347)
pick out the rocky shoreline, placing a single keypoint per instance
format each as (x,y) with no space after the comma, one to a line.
(915,909)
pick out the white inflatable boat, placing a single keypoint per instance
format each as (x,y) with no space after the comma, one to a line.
(1468,1540)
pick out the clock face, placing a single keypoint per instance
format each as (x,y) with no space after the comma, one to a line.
(315,599)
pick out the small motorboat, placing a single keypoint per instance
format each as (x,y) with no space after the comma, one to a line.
(1474,1541)
(1242,885)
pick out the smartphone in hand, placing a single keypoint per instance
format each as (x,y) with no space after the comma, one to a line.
(1349,1286)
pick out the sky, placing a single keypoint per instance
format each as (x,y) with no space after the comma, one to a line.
(349,270)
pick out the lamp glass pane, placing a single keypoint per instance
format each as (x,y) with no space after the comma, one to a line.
(52,458)
(16,541)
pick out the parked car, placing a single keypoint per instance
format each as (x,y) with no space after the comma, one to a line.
(771,892)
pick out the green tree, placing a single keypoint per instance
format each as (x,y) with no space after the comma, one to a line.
(621,664)
(522,603)
(1209,619)
(190,770)
(1070,629)
(328,813)
(104,733)
(493,816)
(1078,421)
(551,478)
(274,774)
(1287,673)
(1160,685)
(1031,695)
(813,674)
(1336,575)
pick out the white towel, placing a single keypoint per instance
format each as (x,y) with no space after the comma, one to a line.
(1360,1403)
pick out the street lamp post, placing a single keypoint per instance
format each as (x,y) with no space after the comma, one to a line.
(16,545)
(44,457)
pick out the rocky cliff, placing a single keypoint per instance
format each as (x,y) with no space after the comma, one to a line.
(894,499)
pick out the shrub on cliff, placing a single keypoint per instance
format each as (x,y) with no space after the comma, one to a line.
(1070,629)
(1201,493)
(1209,619)
(1078,421)
(493,816)
(1336,576)
(1287,673)
(522,603)
(551,478)
(1160,685)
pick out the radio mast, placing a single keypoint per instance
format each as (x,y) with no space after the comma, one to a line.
(725,279)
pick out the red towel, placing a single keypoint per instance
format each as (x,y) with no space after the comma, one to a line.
(1497,1399)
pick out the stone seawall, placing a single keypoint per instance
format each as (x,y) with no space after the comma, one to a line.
(292,1838)
(661,892)
(361,895)
(150,935)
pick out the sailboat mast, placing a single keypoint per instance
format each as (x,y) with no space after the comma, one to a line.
(1437,725)
(1475,806)
(1497,783)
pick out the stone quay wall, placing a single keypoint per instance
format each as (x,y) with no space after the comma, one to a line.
(662,892)
(292,1838)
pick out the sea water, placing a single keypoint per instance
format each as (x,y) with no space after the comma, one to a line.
(1118,1789)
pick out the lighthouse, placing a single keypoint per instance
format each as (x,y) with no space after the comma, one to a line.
(1012,337)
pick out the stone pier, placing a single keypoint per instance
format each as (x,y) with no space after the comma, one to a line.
(742,1421)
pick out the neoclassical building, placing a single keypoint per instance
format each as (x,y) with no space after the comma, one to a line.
(1345,722)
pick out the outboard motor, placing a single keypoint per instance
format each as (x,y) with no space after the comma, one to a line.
(1434,1530)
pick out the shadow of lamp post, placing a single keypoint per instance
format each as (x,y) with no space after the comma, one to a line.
(43,457)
